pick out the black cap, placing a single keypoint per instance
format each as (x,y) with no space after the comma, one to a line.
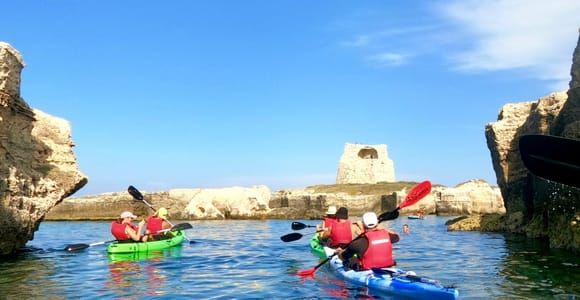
(342,213)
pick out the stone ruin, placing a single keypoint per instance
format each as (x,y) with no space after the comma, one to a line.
(365,164)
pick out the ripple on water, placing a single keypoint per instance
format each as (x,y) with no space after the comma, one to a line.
(246,259)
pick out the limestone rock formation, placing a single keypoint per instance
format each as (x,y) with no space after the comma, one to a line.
(38,167)
(182,204)
(225,203)
(547,209)
(468,198)
(365,164)
(515,120)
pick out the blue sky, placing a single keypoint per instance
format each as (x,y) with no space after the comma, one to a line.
(187,94)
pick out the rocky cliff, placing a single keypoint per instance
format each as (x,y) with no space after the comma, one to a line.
(38,167)
(536,207)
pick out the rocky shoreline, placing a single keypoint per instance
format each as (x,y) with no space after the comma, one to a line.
(472,197)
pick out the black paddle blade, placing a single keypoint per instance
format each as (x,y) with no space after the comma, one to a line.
(390,215)
(552,157)
(298,225)
(181,226)
(291,237)
(135,193)
(76,247)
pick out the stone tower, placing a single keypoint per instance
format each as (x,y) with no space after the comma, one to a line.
(365,164)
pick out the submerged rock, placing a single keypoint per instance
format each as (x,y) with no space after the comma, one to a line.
(38,167)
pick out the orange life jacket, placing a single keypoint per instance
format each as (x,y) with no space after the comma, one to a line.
(118,230)
(154,224)
(328,222)
(340,233)
(379,253)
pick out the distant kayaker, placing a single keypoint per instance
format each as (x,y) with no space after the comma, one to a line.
(124,230)
(374,249)
(340,233)
(329,219)
(157,223)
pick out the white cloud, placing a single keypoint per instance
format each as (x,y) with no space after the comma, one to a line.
(535,36)
(389,59)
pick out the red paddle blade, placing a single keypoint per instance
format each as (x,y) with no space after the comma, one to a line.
(309,272)
(417,193)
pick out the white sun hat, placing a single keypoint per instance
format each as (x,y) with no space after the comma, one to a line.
(370,220)
(331,210)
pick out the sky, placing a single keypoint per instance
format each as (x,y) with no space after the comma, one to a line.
(207,94)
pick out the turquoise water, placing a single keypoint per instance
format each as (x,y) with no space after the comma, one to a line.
(247,259)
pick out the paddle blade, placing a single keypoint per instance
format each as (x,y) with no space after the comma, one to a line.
(298,225)
(305,273)
(389,215)
(417,193)
(291,237)
(181,226)
(76,247)
(552,157)
(135,193)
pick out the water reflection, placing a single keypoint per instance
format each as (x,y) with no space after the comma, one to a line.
(138,273)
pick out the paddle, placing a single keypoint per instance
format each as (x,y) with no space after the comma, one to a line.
(417,193)
(77,247)
(294,236)
(139,197)
(552,157)
(300,226)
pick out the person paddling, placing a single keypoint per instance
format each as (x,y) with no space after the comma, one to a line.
(374,249)
(340,233)
(156,223)
(329,219)
(124,230)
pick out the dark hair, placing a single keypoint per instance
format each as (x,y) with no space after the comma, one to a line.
(342,213)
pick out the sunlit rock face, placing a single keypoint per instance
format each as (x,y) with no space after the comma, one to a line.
(468,198)
(38,168)
(182,204)
(365,164)
(548,209)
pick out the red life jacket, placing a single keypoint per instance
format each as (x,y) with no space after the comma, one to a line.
(154,224)
(118,230)
(328,222)
(340,233)
(379,254)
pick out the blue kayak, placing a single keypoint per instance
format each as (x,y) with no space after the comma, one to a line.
(413,217)
(393,281)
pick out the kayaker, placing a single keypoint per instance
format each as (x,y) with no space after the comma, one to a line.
(124,230)
(340,233)
(156,223)
(328,219)
(373,250)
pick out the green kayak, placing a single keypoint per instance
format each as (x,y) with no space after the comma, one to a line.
(316,247)
(117,247)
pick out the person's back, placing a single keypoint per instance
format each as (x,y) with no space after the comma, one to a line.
(157,223)
(374,249)
(341,230)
